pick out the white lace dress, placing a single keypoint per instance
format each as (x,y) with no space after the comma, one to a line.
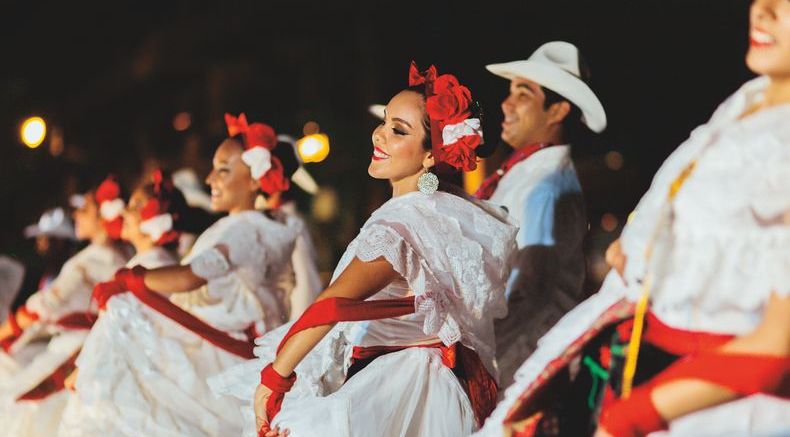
(454,256)
(726,251)
(142,374)
(69,293)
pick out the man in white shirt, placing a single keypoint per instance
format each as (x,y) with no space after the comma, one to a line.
(548,105)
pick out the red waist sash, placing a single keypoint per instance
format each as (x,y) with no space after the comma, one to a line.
(480,385)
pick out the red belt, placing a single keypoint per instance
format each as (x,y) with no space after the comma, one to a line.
(673,340)
(480,386)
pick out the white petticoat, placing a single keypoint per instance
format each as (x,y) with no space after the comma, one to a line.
(404,393)
(34,418)
(141,374)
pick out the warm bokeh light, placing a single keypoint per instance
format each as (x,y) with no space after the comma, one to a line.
(609,222)
(182,121)
(614,160)
(33,132)
(313,148)
(473,179)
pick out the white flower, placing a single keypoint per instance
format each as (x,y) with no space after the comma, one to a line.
(454,132)
(259,160)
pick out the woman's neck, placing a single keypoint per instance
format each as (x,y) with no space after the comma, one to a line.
(143,246)
(247,205)
(405,185)
(777,92)
(101,237)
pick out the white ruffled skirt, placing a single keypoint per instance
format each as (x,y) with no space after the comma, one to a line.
(27,368)
(141,374)
(404,393)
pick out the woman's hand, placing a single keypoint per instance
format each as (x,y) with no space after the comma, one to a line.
(262,395)
(616,258)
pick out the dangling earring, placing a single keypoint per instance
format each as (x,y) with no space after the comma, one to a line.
(428,183)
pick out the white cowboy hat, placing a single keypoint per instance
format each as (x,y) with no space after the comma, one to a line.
(377,110)
(555,65)
(53,223)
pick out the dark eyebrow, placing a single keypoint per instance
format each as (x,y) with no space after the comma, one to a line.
(403,121)
(525,86)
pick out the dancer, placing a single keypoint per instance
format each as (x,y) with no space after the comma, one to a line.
(706,260)
(417,291)
(62,311)
(143,368)
(549,104)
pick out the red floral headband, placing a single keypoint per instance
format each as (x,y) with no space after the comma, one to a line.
(454,133)
(111,206)
(259,139)
(157,220)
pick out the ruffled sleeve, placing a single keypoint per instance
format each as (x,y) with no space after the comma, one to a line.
(238,245)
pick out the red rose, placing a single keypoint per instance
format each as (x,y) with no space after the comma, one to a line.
(444,83)
(150,209)
(259,134)
(460,154)
(451,102)
(274,180)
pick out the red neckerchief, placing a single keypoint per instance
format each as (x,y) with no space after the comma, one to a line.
(489,185)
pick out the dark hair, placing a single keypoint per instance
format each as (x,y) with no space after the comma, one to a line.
(573,130)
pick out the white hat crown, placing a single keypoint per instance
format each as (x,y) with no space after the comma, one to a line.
(558,53)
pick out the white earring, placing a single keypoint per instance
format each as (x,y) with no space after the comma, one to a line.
(428,183)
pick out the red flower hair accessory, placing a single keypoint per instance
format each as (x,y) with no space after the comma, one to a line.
(454,133)
(259,139)
(111,206)
(157,220)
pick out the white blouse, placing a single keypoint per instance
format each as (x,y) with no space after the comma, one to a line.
(242,288)
(727,245)
(454,254)
(72,288)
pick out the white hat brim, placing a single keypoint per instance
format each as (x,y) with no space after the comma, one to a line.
(561,82)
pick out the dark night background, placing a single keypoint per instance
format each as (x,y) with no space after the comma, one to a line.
(112,76)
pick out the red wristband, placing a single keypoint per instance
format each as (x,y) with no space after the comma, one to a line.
(133,279)
(633,417)
(279,385)
(103,291)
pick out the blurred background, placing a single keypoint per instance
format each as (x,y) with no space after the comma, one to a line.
(124,86)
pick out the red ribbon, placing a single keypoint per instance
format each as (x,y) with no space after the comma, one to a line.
(53,383)
(481,387)
(134,280)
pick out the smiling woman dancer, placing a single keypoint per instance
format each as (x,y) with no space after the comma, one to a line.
(417,291)
(709,245)
(144,366)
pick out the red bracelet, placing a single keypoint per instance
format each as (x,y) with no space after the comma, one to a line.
(279,385)
(633,417)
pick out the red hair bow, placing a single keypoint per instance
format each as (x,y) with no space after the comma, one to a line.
(426,77)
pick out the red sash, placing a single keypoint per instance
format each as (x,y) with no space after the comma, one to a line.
(481,387)
(52,383)
(133,279)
